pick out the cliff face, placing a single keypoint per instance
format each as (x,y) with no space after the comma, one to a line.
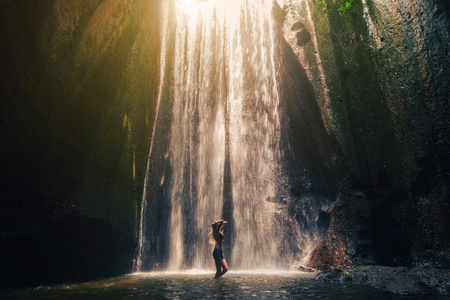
(78,81)
(381,76)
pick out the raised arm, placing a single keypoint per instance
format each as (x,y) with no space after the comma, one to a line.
(222,225)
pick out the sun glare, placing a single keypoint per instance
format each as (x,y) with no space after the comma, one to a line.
(188,3)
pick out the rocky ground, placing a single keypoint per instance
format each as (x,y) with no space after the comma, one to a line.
(398,280)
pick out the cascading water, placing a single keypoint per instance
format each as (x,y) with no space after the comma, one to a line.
(224,147)
(137,265)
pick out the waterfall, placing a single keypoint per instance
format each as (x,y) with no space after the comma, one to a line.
(224,143)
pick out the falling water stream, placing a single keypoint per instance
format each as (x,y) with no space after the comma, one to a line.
(224,140)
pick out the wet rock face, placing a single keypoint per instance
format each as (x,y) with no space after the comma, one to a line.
(77,81)
(343,239)
(398,280)
(303,35)
(384,97)
(298,26)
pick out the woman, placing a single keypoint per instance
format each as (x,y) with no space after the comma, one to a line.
(216,237)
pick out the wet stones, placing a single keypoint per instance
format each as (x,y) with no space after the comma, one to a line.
(307,269)
(303,35)
(397,280)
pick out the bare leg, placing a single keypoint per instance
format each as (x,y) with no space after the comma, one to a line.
(224,266)
(218,267)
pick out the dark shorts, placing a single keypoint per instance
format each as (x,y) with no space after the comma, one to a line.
(217,254)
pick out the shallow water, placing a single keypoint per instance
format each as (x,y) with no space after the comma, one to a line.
(202,285)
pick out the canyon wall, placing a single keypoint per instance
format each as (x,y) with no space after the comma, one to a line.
(78,81)
(380,71)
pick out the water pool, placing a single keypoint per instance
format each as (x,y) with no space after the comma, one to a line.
(202,285)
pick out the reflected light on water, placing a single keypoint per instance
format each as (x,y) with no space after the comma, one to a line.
(200,284)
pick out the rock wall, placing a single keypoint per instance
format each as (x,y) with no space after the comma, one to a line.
(381,73)
(78,83)
(77,87)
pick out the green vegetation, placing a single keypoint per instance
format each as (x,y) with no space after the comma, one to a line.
(346,6)
(290,7)
(323,5)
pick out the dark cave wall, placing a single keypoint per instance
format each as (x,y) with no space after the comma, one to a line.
(77,86)
(388,106)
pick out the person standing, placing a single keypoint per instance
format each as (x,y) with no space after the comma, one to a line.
(216,237)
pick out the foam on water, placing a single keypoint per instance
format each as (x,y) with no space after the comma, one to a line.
(202,272)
